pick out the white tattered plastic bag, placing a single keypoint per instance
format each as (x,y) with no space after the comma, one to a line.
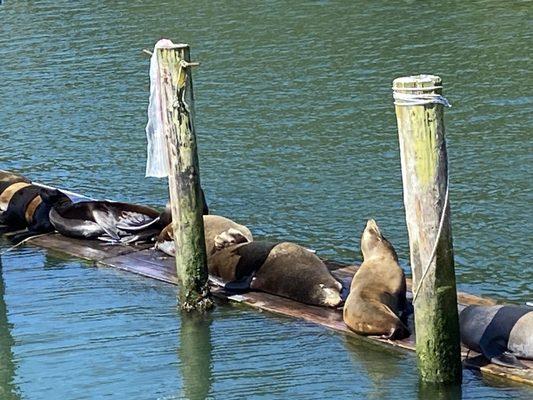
(157,158)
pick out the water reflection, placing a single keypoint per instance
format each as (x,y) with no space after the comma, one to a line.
(195,352)
(381,365)
(438,392)
(8,390)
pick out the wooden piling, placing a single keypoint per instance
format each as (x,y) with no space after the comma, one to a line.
(425,184)
(177,100)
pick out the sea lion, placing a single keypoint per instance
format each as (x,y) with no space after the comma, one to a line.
(501,333)
(109,221)
(7,179)
(284,269)
(378,289)
(219,231)
(21,205)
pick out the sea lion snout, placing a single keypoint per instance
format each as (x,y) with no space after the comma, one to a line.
(330,297)
(372,227)
(374,244)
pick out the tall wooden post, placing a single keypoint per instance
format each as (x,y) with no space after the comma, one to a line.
(177,103)
(425,185)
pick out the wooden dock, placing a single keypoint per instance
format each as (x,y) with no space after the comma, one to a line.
(143,260)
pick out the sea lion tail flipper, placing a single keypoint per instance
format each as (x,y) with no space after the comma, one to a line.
(496,351)
(406,312)
(398,329)
(108,240)
(107,222)
(241,285)
(132,222)
(507,360)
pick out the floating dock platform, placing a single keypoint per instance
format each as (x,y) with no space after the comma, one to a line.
(145,261)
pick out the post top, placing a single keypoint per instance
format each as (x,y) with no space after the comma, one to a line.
(422,82)
(168,44)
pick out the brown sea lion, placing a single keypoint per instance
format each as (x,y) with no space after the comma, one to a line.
(284,269)
(377,292)
(219,231)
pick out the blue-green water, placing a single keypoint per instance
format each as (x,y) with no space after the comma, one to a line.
(297,140)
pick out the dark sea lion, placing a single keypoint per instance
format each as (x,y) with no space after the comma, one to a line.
(21,205)
(105,220)
(500,333)
(378,289)
(284,269)
(218,231)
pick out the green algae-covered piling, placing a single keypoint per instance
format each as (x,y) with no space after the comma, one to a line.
(419,113)
(186,200)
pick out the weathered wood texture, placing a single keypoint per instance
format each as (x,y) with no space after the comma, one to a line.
(177,101)
(154,264)
(425,172)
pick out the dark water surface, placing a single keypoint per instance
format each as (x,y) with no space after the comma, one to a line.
(297,140)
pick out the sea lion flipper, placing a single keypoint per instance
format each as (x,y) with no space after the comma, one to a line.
(241,285)
(133,221)
(228,238)
(496,351)
(507,359)
(105,220)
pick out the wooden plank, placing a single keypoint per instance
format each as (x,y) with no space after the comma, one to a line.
(93,250)
(146,263)
(150,263)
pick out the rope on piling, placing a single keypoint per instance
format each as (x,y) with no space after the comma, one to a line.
(437,239)
(418,99)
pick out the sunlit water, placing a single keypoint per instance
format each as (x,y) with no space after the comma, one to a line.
(297,140)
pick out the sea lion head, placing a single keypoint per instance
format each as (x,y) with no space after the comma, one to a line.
(54,197)
(374,244)
(330,294)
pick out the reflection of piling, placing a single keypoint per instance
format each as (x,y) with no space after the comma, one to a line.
(195,355)
(419,112)
(439,391)
(8,391)
(184,175)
